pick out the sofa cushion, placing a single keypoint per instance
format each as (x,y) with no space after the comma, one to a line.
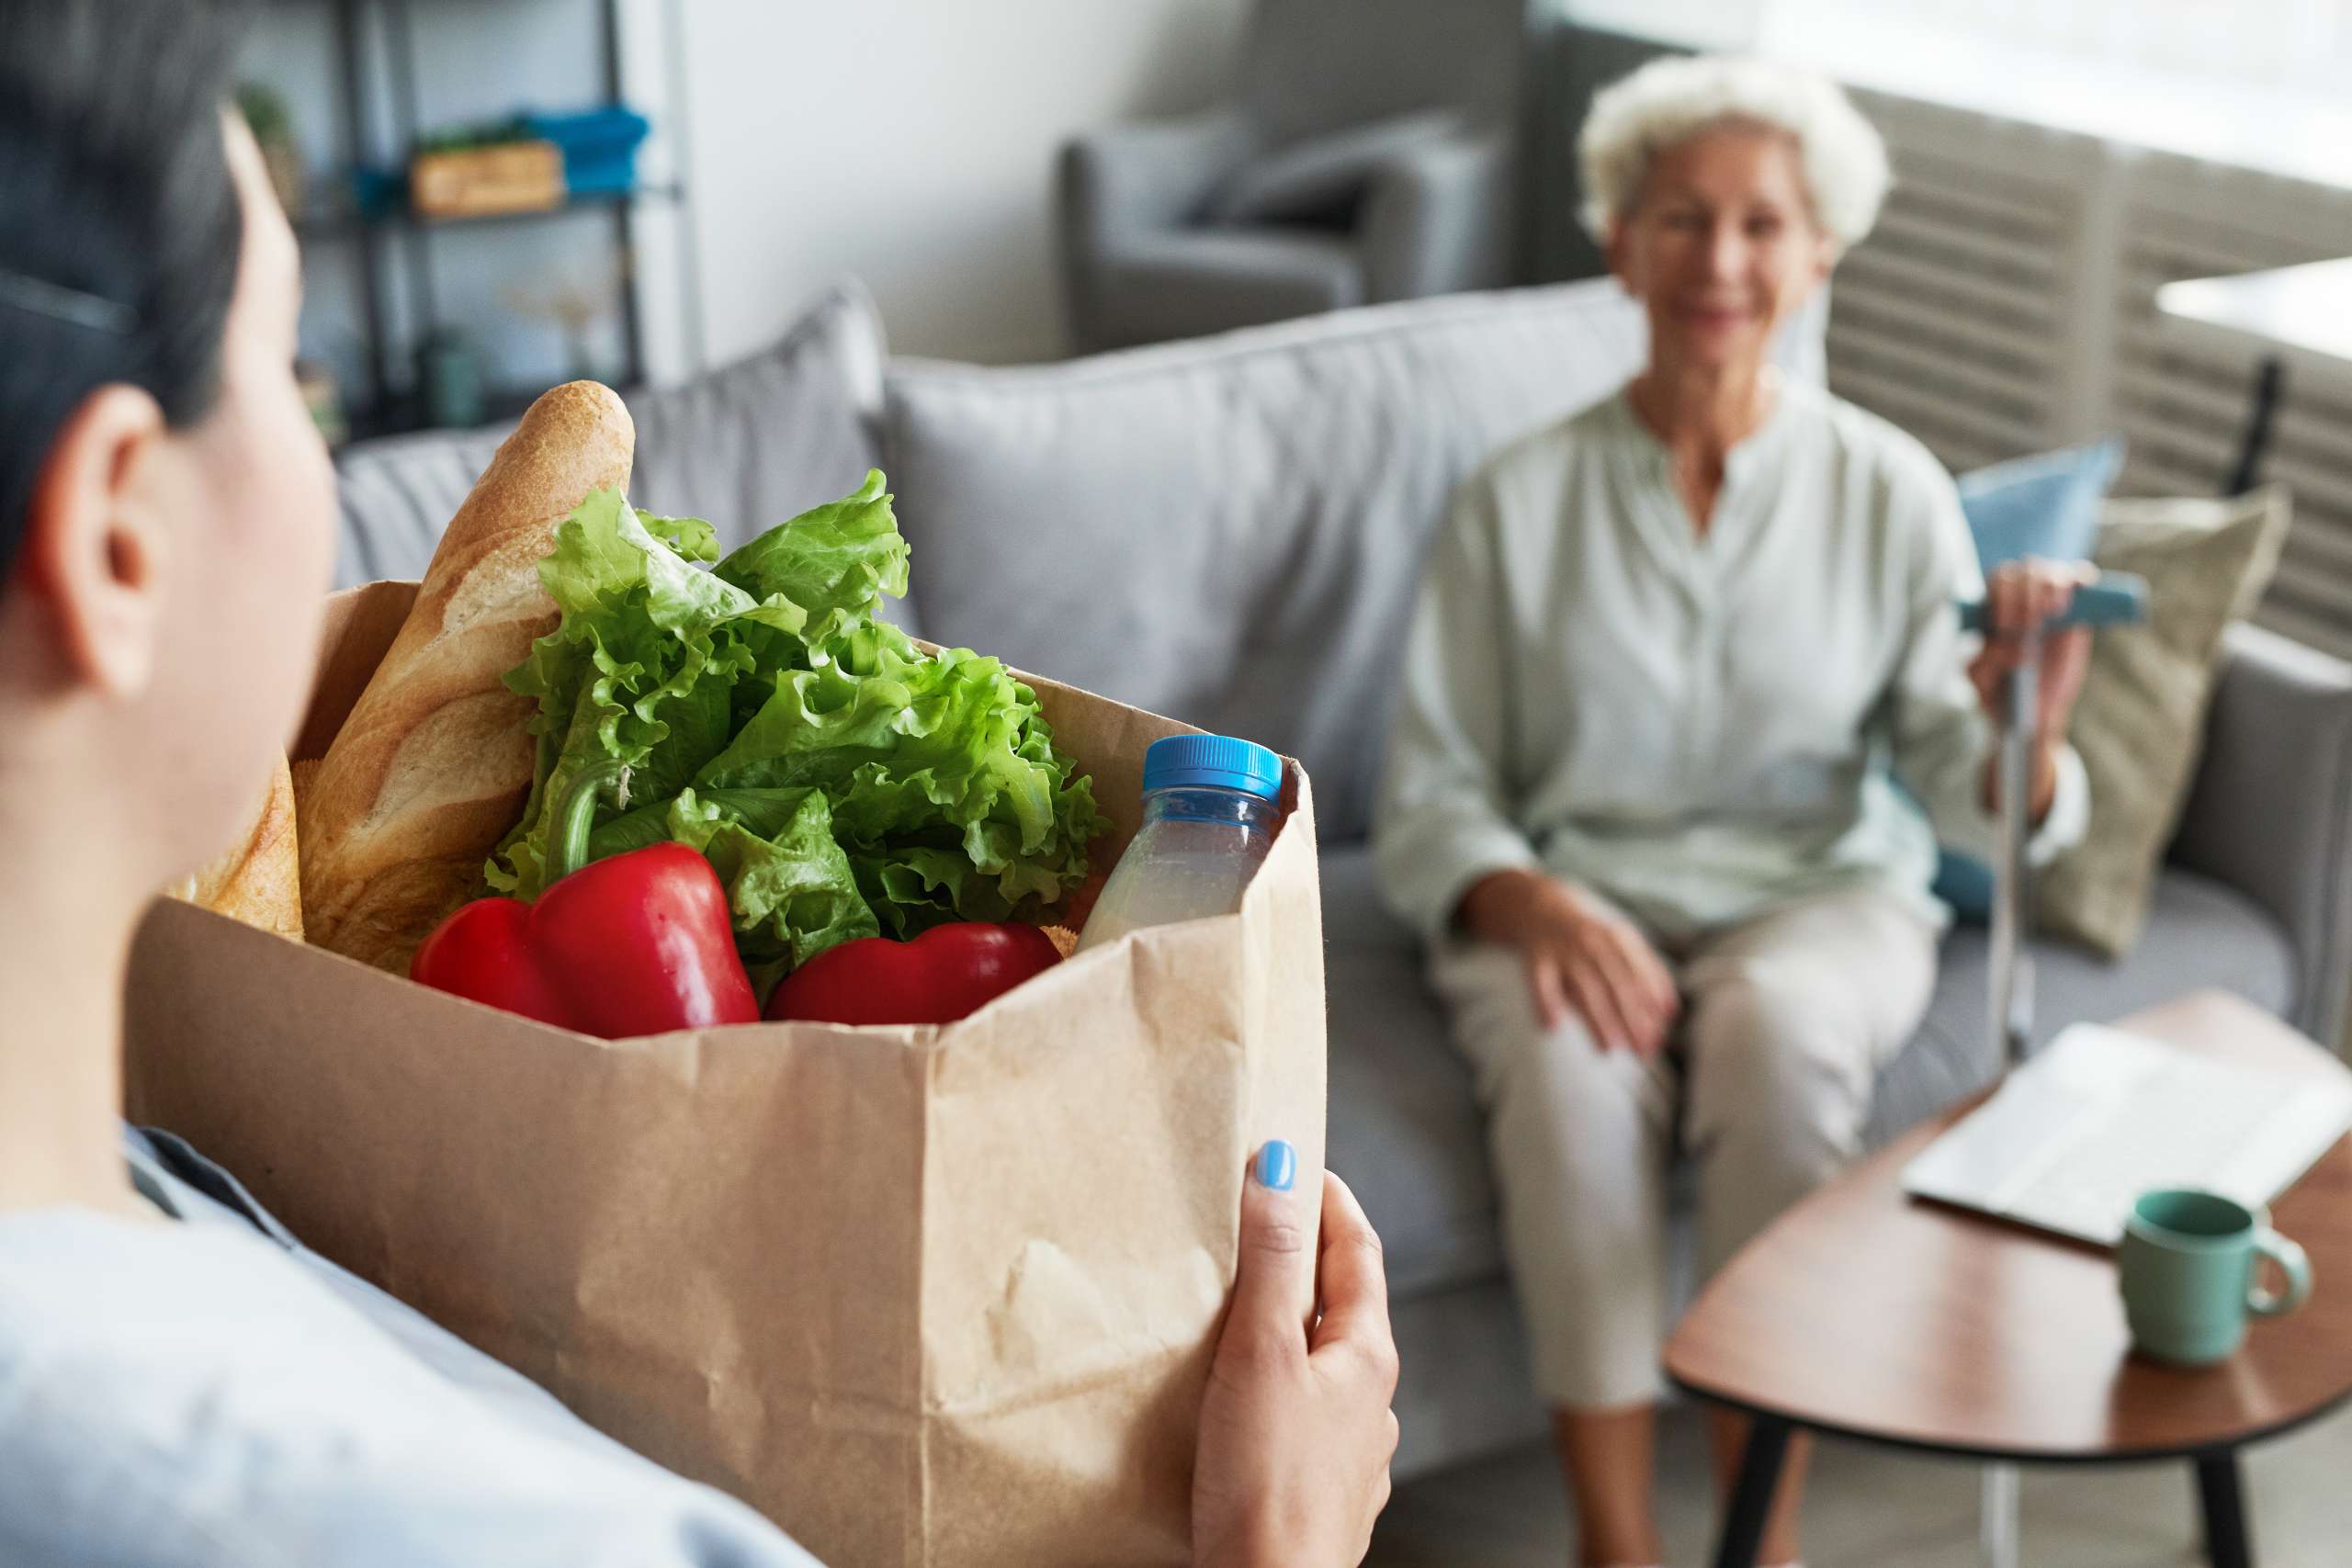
(2199,933)
(2140,725)
(2044,505)
(398,495)
(1230,530)
(752,443)
(746,446)
(1406,1132)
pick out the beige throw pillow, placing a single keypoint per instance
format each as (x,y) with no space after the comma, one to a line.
(2140,723)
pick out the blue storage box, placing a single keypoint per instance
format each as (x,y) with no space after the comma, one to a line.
(599,146)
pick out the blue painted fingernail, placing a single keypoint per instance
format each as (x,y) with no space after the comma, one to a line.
(1277,1166)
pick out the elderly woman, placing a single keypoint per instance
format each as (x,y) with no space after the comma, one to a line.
(1671,656)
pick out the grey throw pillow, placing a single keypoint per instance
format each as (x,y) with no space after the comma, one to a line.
(1229,530)
(398,495)
(2140,723)
(754,443)
(746,446)
(1322,177)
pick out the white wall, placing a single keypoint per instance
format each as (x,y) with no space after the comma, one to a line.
(911,143)
(908,141)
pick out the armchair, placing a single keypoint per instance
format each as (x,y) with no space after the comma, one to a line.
(1367,156)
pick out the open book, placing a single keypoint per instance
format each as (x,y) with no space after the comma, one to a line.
(2099,1116)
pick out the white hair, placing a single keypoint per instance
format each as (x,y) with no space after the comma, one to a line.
(1669,101)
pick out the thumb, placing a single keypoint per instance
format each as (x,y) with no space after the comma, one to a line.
(1273,1290)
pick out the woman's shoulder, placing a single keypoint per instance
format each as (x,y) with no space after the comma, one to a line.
(1888,484)
(1540,456)
(195,1362)
(1861,440)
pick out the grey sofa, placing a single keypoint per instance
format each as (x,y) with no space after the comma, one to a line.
(1230,531)
(1310,189)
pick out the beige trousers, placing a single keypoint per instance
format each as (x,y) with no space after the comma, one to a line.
(1786,1019)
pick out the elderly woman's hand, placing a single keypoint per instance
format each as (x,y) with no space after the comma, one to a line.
(1582,958)
(2019,596)
(1296,1434)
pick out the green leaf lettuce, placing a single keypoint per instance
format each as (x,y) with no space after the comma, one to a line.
(840,779)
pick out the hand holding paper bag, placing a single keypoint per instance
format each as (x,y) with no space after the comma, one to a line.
(1296,1432)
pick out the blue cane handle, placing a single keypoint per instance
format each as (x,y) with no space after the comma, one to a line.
(2117,599)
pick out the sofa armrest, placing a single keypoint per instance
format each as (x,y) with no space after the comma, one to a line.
(1438,218)
(1125,181)
(2271,813)
(1146,174)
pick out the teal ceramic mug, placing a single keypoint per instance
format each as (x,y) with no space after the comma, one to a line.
(2188,1267)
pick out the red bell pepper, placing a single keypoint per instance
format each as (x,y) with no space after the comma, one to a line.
(942,975)
(638,943)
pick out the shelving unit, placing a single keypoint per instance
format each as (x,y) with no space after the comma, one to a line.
(326,224)
(387,402)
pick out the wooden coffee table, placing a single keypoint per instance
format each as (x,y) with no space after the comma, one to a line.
(1872,1315)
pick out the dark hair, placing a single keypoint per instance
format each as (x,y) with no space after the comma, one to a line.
(120,228)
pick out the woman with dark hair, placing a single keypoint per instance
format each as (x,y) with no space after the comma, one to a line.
(180,1381)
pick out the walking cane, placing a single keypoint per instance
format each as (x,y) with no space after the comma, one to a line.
(2115,598)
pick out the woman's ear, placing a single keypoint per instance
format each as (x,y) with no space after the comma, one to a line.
(94,546)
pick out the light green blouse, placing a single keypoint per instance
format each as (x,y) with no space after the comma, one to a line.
(1696,727)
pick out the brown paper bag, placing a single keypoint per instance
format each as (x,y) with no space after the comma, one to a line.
(922,1295)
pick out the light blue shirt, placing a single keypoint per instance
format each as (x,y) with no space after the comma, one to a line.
(211,1392)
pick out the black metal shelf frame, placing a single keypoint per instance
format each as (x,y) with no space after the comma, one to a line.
(414,231)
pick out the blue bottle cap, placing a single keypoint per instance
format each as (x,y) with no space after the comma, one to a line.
(1219,761)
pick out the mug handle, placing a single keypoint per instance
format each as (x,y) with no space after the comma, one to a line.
(2263,1301)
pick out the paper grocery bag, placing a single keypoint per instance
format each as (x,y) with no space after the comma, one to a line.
(921,1295)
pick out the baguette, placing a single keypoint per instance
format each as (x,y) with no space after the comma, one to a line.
(433,764)
(257,879)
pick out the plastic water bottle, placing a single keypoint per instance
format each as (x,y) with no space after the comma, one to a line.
(1210,805)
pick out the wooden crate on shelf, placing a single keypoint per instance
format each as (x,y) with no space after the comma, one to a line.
(513,176)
